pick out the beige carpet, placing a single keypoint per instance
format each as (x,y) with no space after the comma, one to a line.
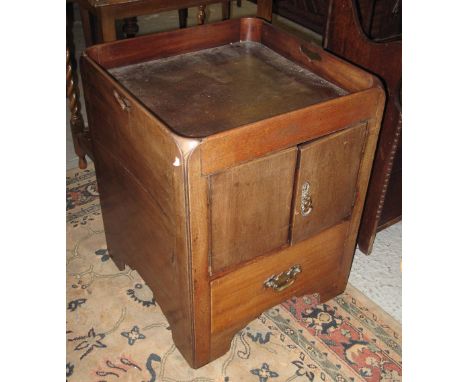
(117,332)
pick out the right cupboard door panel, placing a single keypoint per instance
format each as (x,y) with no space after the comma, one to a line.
(326,181)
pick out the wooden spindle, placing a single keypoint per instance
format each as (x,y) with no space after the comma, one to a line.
(76,119)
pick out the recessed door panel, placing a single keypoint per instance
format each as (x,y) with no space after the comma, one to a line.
(326,181)
(251,209)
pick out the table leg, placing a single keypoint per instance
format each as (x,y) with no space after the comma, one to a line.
(226,10)
(130,27)
(87,28)
(106,27)
(264,9)
(76,119)
(201,14)
(183,14)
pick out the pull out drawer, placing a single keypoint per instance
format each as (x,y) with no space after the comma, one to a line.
(241,295)
(326,181)
(250,207)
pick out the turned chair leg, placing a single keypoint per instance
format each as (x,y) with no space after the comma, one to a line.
(183,15)
(226,10)
(201,14)
(130,27)
(76,119)
(73,95)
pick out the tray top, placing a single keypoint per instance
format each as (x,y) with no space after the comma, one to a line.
(213,90)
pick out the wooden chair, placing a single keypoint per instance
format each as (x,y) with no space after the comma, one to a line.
(379,18)
(99,16)
(345,38)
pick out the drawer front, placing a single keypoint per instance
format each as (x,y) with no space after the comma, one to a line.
(326,181)
(241,295)
(251,209)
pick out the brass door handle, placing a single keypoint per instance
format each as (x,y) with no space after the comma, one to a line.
(306,199)
(283,280)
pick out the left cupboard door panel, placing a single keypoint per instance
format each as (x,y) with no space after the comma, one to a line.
(251,209)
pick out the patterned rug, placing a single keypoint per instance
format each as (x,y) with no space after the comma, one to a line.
(117,332)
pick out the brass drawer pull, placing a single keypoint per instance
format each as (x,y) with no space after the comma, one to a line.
(306,199)
(283,280)
(123,102)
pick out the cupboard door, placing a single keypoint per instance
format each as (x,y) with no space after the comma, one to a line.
(326,181)
(250,208)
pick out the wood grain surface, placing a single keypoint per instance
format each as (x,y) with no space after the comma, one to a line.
(251,81)
(330,166)
(206,221)
(143,197)
(250,209)
(240,296)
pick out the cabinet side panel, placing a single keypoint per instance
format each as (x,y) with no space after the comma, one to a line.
(142,195)
(132,134)
(362,184)
(329,166)
(250,209)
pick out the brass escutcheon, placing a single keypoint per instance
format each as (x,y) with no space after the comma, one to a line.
(306,199)
(283,280)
